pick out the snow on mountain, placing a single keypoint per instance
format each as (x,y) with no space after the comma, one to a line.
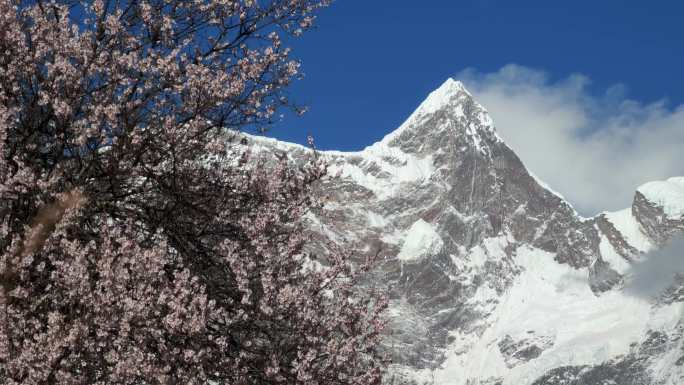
(421,238)
(668,194)
(495,278)
(554,318)
(630,229)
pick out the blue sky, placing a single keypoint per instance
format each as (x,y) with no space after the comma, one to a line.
(370,62)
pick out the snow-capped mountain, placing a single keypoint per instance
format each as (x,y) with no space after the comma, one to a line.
(495,279)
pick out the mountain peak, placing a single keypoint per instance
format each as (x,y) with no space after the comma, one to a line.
(450,86)
(448,111)
(443,96)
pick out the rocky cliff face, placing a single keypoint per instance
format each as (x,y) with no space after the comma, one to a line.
(494,278)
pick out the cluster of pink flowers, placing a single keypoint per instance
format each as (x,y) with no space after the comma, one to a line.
(138,243)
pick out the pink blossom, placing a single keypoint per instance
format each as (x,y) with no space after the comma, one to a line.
(139,241)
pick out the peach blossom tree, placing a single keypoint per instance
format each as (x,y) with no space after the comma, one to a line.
(139,242)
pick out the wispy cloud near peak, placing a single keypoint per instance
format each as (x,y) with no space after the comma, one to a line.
(594,149)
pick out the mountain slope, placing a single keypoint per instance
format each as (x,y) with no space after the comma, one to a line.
(495,278)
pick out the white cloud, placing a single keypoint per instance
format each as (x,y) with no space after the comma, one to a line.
(657,270)
(595,150)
